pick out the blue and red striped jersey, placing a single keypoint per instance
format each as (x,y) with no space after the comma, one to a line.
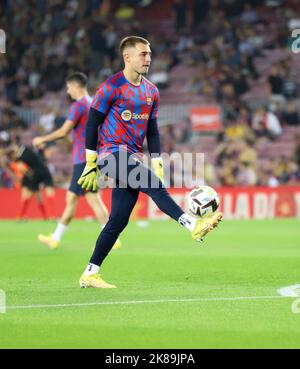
(78,114)
(128,109)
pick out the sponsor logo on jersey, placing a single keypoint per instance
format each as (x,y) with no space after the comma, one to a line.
(140,116)
(126,115)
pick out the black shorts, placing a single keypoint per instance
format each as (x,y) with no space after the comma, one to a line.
(48,180)
(74,186)
(33,180)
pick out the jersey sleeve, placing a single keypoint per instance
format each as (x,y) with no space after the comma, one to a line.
(74,113)
(104,98)
(155,106)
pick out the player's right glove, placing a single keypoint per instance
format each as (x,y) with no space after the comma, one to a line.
(88,178)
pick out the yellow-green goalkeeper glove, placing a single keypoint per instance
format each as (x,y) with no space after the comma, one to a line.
(157,165)
(88,178)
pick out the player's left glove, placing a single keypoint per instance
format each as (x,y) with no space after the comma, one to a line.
(157,165)
(88,178)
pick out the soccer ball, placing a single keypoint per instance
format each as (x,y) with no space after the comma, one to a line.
(203,201)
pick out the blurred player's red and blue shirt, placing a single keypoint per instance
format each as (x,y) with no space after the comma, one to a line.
(128,109)
(78,114)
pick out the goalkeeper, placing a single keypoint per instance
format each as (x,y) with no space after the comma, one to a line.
(124,112)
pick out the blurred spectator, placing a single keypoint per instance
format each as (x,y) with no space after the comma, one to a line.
(228,173)
(266,124)
(247,66)
(275,85)
(286,170)
(111,41)
(246,175)
(106,70)
(10,119)
(159,77)
(296,150)
(125,12)
(240,83)
(266,176)
(159,70)
(210,174)
(247,154)
(199,11)
(185,41)
(11,78)
(249,14)
(47,119)
(290,86)
(291,115)
(238,130)
(180,14)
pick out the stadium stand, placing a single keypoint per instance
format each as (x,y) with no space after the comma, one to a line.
(236,54)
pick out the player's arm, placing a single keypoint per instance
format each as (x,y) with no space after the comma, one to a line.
(153,140)
(88,178)
(100,106)
(55,135)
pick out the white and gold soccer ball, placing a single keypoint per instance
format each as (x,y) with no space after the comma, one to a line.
(203,201)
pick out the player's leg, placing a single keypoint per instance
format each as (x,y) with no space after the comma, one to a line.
(123,201)
(72,197)
(50,194)
(53,240)
(97,205)
(26,195)
(41,205)
(156,190)
(129,170)
(100,210)
(70,208)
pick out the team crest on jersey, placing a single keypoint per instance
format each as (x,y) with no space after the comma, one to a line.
(126,115)
(149,100)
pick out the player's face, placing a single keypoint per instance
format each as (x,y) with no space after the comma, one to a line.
(72,88)
(139,58)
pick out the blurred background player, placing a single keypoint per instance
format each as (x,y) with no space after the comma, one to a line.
(126,109)
(36,175)
(76,85)
(45,152)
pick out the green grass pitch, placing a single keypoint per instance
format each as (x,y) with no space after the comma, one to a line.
(172,292)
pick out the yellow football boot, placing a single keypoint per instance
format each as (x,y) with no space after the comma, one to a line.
(205,225)
(94,281)
(48,241)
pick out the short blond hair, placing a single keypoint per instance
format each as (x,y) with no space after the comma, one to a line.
(131,41)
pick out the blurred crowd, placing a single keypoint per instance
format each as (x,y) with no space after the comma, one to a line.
(234,159)
(219,39)
(237,164)
(47,40)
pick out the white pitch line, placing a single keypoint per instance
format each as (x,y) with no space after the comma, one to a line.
(200,299)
